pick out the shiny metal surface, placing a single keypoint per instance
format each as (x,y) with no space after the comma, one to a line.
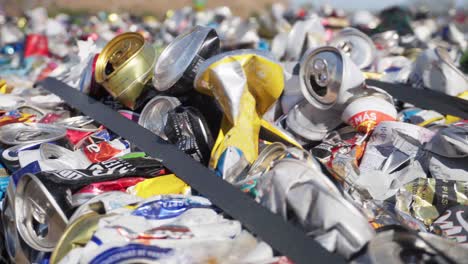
(25,133)
(322,73)
(39,219)
(125,66)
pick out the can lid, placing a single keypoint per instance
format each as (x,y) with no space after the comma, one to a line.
(116,54)
(21,133)
(321,71)
(177,57)
(39,219)
(154,115)
(357,45)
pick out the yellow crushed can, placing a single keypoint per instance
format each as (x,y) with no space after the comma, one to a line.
(125,66)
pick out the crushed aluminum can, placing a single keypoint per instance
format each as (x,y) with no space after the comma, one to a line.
(266,157)
(279,45)
(328,75)
(398,245)
(130,115)
(179,62)
(435,70)
(343,229)
(21,133)
(154,115)
(304,35)
(427,199)
(364,113)
(187,129)
(230,82)
(38,216)
(328,79)
(357,45)
(43,201)
(116,68)
(77,234)
(17,250)
(165,184)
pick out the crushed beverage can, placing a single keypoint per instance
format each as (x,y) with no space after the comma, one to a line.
(280,187)
(364,113)
(307,34)
(328,79)
(22,133)
(43,202)
(155,113)
(187,129)
(95,189)
(179,62)
(39,218)
(116,68)
(77,234)
(357,45)
(257,79)
(398,245)
(427,199)
(105,202)
(435,70)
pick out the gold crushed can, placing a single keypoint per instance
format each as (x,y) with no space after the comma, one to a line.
(125,66)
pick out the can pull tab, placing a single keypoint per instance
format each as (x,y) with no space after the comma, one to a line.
(346,47)
(121,55)
(39,221)
(27,135)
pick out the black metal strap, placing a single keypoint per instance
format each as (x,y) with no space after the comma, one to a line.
(281,235)
(425,98)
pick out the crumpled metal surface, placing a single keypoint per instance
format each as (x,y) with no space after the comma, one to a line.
(302,194)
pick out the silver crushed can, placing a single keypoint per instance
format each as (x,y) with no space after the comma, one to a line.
(24,133)
(178,64)
(435,70)
(328,79)
(357,45)
(301,193)
(154,115)
(304,35)
(39,219)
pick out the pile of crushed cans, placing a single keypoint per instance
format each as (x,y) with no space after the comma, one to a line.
(276,104)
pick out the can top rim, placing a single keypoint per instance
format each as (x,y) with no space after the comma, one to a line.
(109,49)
